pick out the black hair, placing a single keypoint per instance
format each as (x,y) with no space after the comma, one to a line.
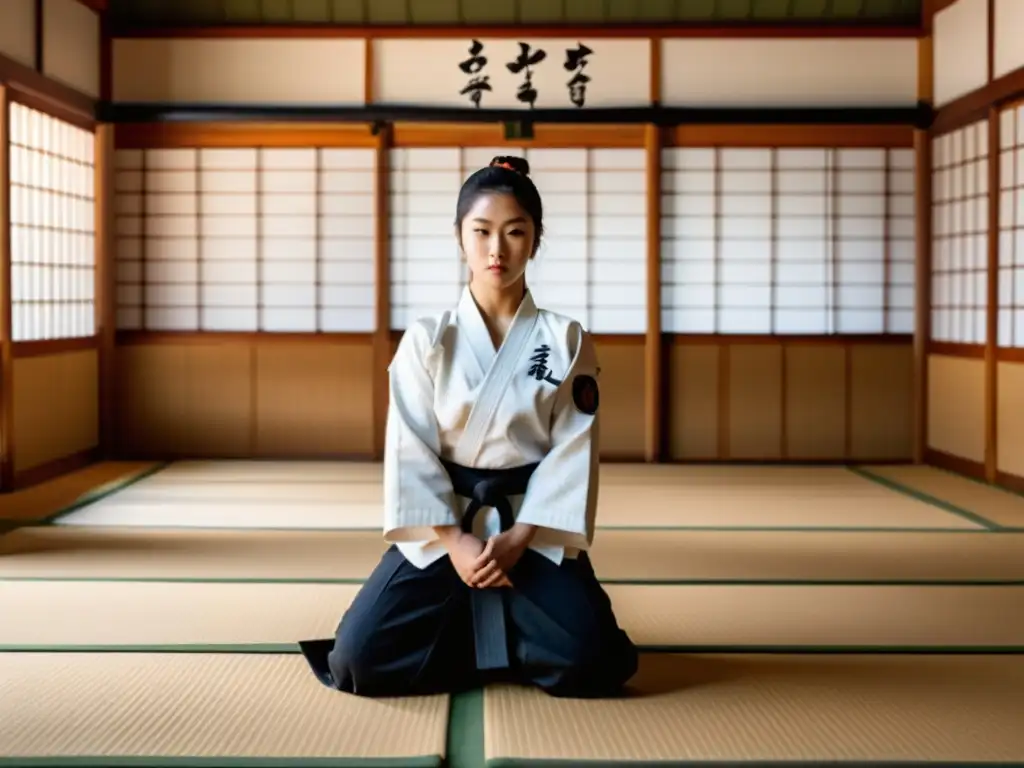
(505,175)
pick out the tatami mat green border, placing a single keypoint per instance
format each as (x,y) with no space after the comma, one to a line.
(466,730)
(102,761)
(511,762)
(946,506)
(984,525)
(292,649)
(689,582)
(98,493)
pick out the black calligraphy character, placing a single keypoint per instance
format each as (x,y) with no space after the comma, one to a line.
(471,66)
(526,93)
(576,59)
(539,365)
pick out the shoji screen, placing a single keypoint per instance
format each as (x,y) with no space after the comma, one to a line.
(959,234)
(426,272)
(592,261)
(1011,228)
(52,227)
(246,239)
(803,240)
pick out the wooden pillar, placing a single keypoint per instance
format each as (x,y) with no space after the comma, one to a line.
(923,285)
(655,388)
(382,276)
(6,344)
(653,369)
(992,298)
(106,285)
(923,236)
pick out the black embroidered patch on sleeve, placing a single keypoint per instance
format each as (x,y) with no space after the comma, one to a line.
(585,395)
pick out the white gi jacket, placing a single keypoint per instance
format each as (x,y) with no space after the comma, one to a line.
(453,396)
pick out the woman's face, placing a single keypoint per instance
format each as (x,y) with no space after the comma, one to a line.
(497,238)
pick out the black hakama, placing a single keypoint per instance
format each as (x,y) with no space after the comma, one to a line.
(413,631)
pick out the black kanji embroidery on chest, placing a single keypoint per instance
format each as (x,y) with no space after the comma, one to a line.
(539,365)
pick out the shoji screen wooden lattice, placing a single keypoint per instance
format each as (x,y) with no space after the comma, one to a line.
(246,239)
(787,241)
(1011,228)
(592,261)
(959,235)
(52,227)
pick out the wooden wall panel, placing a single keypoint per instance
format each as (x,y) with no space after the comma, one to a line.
(816,394)
(71,45)
(793,400)
(245,397)
(881,420)
(754,422)
(184,400)
(956,406)
(1010,418)
(314,399)
(1008,42)
(240,71)
(796,71)
(622,397)
(18,30)
(960,44)
(56,414)
(692,405)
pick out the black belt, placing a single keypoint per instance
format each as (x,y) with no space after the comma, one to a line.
(489,488)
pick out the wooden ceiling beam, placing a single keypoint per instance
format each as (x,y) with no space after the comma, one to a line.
(370,31)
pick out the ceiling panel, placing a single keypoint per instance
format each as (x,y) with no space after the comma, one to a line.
(480,12)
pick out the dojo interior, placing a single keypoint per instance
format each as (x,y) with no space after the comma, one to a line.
(803,267)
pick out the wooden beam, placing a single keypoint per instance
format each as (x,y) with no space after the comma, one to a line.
(974,106)
(6,355)
(992,290)
(922,288)
(40,45)
(105,244)
(382,273)
(910,29)
(653,373)
(61,100)
(100,6)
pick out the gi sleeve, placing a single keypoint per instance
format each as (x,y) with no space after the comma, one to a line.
(418,493)
(561,499)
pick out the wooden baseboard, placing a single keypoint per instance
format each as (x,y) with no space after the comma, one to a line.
(792,461)
(165,456)
(54,469)
(973,469)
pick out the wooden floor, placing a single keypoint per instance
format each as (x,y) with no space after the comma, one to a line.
(863,615)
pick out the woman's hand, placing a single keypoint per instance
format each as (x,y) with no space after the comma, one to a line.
(500,555)
(465,551)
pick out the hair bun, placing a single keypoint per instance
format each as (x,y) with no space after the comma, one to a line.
(518,164)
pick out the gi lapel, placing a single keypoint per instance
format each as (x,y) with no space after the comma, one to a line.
(497,380)
(473,337)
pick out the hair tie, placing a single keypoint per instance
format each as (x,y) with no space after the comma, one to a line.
(506,165)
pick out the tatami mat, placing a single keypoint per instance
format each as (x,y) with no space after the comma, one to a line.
(618,555)
(125,614)
(1000,506)
(690,710)
(333,496)
(203,710)
(45,499)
